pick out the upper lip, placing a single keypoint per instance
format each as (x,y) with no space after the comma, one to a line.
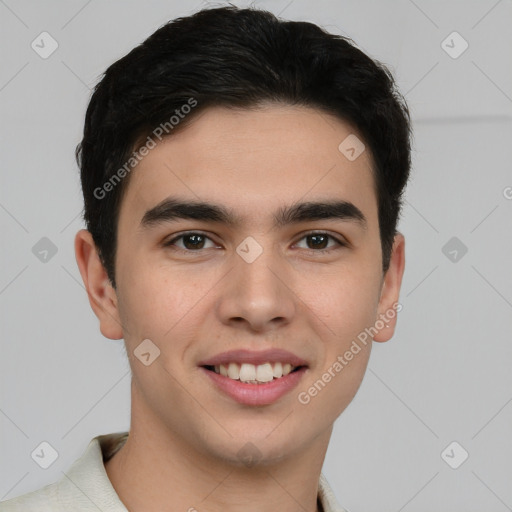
(254,357)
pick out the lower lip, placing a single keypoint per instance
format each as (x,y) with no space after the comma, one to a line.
(256,394)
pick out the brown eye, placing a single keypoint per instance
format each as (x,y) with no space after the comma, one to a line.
(319,242)
(190,242)
(193,241)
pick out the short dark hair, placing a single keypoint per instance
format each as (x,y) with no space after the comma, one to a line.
(237,58)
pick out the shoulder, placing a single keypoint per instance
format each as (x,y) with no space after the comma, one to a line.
(45,499)
(85,487)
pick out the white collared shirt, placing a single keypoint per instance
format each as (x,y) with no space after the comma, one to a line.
(87,488)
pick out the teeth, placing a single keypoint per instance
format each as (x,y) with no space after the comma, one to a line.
(254,374)
(264,373)
(233,371)
(247,372)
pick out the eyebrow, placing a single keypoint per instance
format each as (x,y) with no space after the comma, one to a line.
(173,208)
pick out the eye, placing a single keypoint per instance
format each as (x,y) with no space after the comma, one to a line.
(194,241)
(191,241)
(319,242)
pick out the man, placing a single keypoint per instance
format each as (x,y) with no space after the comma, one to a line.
(242,179)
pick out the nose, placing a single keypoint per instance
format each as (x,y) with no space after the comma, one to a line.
(257,295)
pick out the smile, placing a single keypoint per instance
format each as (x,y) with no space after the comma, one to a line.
(254,377)
(253,374)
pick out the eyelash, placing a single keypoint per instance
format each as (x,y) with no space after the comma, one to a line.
(340,243)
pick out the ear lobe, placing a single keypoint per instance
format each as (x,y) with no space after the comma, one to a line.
(102,296)
(390,293)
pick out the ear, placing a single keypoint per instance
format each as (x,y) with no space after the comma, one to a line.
(102,296)
(390,292)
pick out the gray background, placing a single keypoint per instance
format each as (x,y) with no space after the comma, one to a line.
(444,377)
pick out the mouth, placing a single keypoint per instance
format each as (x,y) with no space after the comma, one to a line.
(255,378)
(254,374)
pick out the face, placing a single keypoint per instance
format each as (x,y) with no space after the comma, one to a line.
(250,283)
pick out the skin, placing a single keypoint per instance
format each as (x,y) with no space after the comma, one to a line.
(184,433)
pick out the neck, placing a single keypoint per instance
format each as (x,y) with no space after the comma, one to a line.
(156,470)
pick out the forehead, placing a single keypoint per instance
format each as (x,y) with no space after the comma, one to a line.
(254,161)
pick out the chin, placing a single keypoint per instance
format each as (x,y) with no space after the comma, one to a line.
(259,449)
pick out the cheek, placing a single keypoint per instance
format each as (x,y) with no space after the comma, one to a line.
(346,306)
(328,392)
(346,303)
(148,303)
(162,306)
